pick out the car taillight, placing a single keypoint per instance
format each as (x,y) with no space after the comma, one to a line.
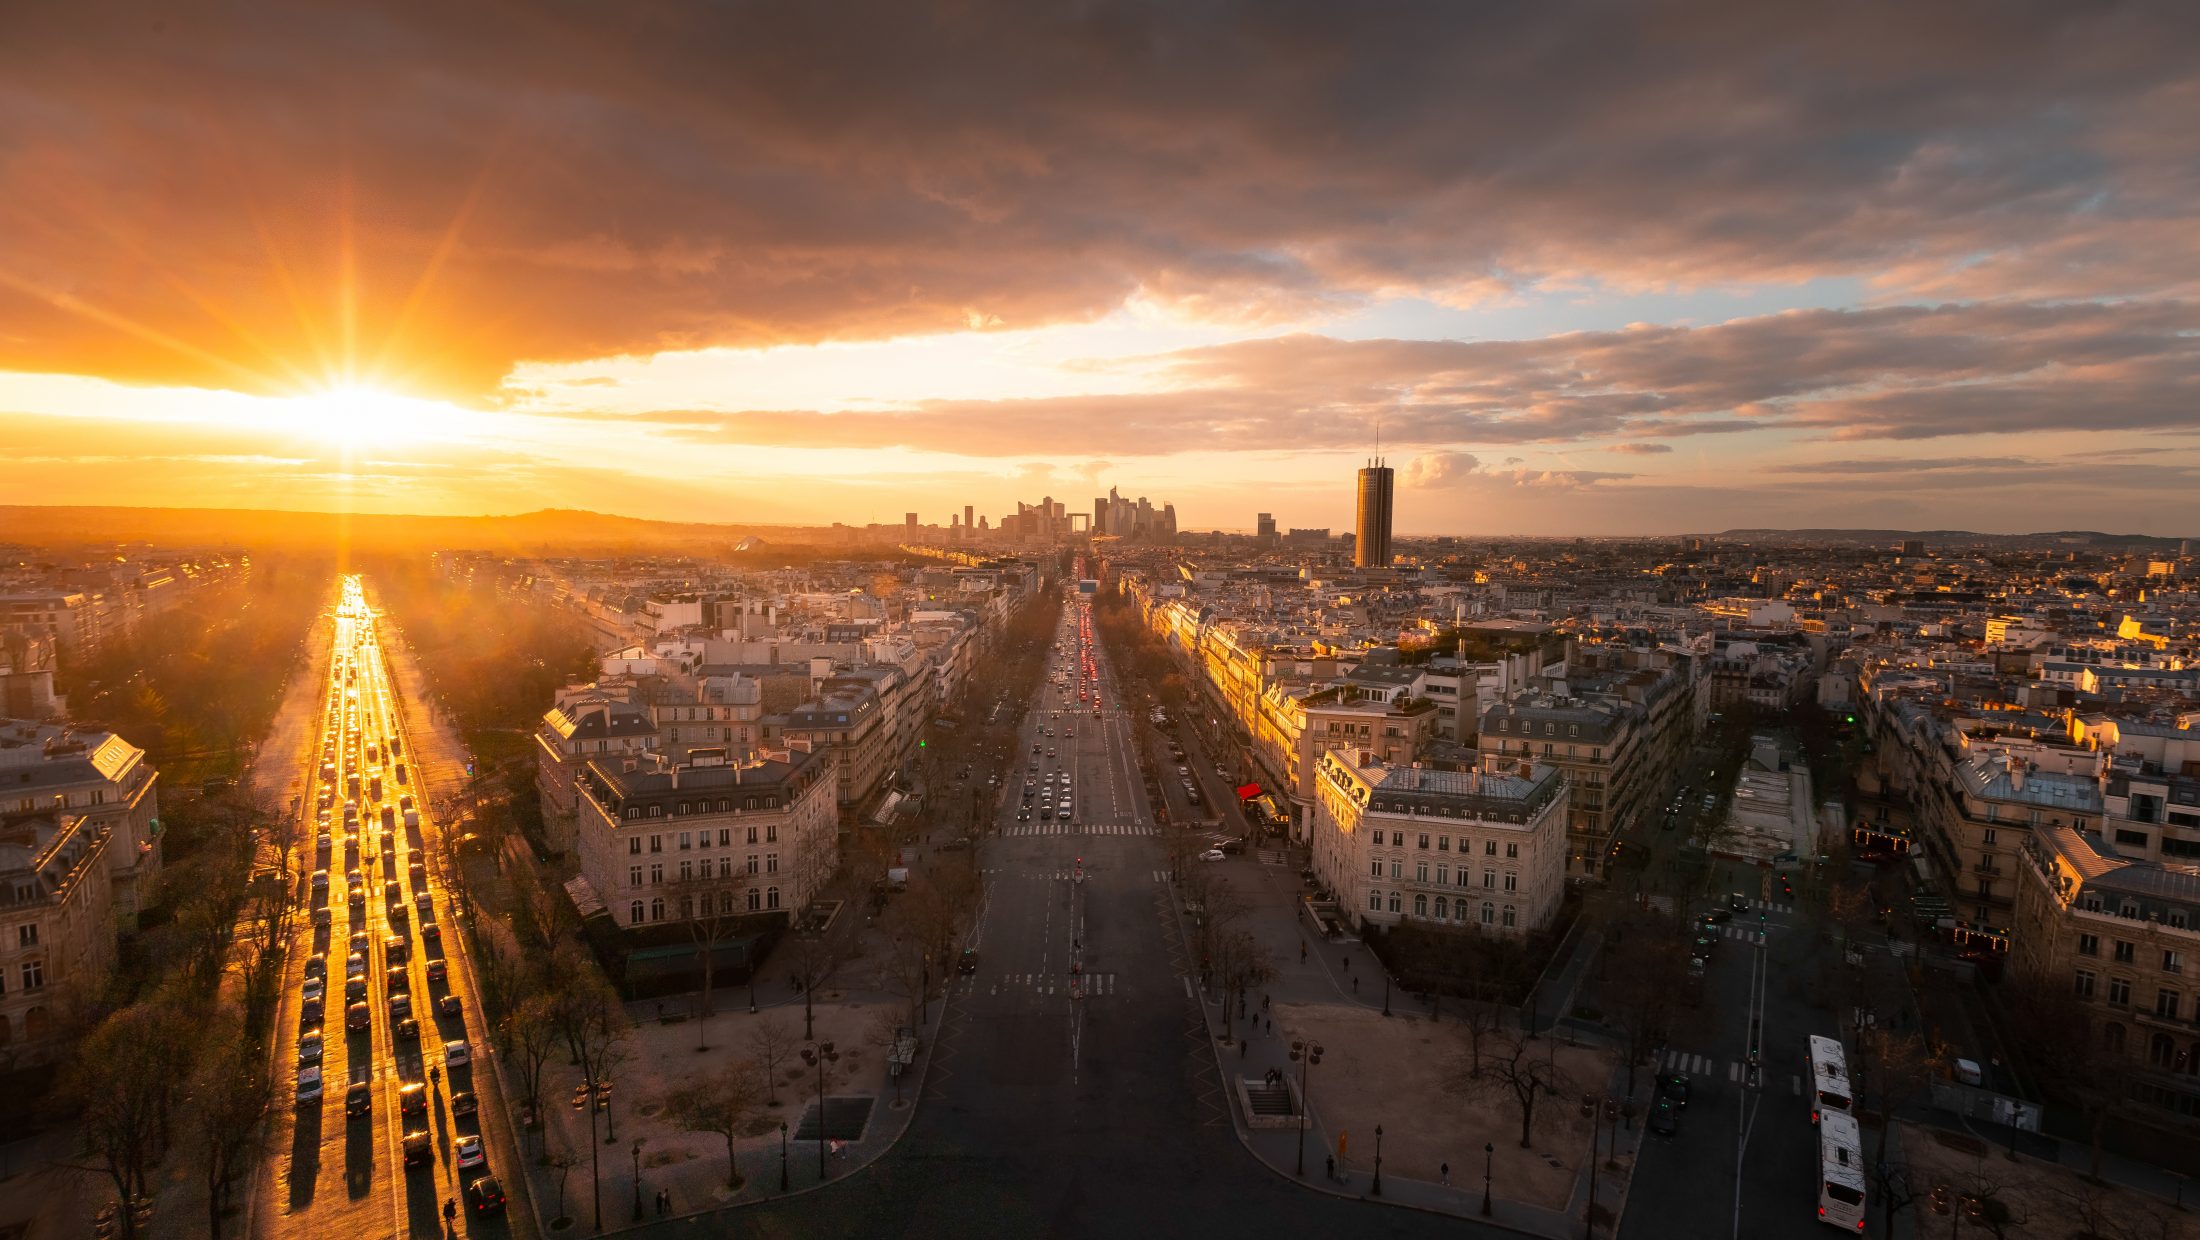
(1821,1212)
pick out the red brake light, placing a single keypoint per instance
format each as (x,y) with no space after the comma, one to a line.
(1821,1212)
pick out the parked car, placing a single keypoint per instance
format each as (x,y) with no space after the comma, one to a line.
(1674,1088)
(1212,854)
(968,963)
(457,1054)
(1665,1119)
(464,1103)
(485,1196)
(359,1099)
(309,1048)
(470,1153)
(309,1086)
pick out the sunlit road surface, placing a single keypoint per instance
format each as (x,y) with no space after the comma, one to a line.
(368,835)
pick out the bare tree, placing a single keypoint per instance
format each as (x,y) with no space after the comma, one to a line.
(530,1035)
(598,1029)
(771,1044)
(710,909)
(121,1080)
(1241,962)
(814,957)
(1516,1068)
(230,1094)
(2053,1035)
(1644,980)
(722,1103)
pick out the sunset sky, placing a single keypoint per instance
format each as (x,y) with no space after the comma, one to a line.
(1594,268)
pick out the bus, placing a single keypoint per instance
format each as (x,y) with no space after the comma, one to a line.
(1829,1075)
(1841,1171)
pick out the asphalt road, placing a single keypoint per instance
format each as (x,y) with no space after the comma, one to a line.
(333,1175)
(1073,1092)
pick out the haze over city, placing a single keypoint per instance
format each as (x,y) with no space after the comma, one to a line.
(1594,268)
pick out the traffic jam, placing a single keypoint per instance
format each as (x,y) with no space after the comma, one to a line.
(403,1040)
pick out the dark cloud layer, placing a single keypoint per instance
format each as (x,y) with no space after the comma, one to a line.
(185,190)
(1892,373)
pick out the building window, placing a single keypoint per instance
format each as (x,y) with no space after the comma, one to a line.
(1512,852)
(2119,991)
(1986,836)
(725,836)
(633,876)
(1420,906)
(1489,880)
(1374,901)
(2165,1003)
(1396,867)
(756,899)
(2112,1036)
(634,913)
(2085,983)
(1443,909)
(1375,868)
(1512,881)
(755,864)
(771,863)
(1489,848)
(2123,952)
(656,843)
(687,871)
(1397,839)
(683,834)
(1393,901)
(1424,840)
(2173,962)
(1420,872)
(771,833)
(656,873)
(752,835)
(26,935)
(634,846)
(657,908)
(1489,914)
(1443,843)
(771,897)
(2089,944)
(1443,875)
(34,974)
(1512,917)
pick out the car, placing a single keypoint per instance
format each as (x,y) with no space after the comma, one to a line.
(1213,854)
(313,989)
(360,942)
(1696,966)
(355,989)
(1665,1119)
(456,1054)
(357,1018)
(418,1150)
(323,843)
(449,1005)
(359,1099)
(1674,1087)
(1233,845)
(412,1101)
(401,1005)
(1702,949)
(1738,902)
(431,932)
(463,1102)
(321,915)
(399,917)
(317,965)
(407,1030)
(470,1153)
(968,963)
(1718,917)
(485,1196)
(309,1086)
(395,950)
(320,880)
(437,970)
(309,1048)
(398,980)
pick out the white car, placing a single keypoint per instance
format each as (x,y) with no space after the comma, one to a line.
(457,1054)
(1212,854)
(470,1153)
(309,1086)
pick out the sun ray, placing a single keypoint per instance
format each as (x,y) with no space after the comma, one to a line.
(78,306)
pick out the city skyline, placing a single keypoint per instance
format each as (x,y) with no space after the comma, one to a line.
(1922,281)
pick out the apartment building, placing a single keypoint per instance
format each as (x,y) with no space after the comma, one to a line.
(53,768)
(57,926)
(2123,933)
(1484,847)
(757,835)
(588,724)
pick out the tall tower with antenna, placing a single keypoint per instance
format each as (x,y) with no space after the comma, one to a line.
(1371,549)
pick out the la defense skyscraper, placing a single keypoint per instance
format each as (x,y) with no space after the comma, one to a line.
(1373,548)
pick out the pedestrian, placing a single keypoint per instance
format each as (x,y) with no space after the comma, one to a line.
(1243,1046)
(1444,1171)
(1331,1159)
(1271,1021)
(1264,1002)
(1355,985)
(1302,951)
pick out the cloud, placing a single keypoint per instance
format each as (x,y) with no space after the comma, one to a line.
(1639,449)
(188,191)
(1434,469)
(1893,372)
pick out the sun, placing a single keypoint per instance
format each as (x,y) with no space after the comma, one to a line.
(363,418)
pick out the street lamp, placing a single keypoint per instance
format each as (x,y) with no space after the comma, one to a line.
(637,1179)
(1489,1157)
(782,1156)
(1377,1189)
(1305,1054)
(817,1055)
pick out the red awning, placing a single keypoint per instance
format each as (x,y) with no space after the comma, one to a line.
(1247,792)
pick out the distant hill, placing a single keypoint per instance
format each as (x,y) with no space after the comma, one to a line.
(546,531)
(2072,538)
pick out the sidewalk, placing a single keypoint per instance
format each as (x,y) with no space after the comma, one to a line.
(1318,992)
